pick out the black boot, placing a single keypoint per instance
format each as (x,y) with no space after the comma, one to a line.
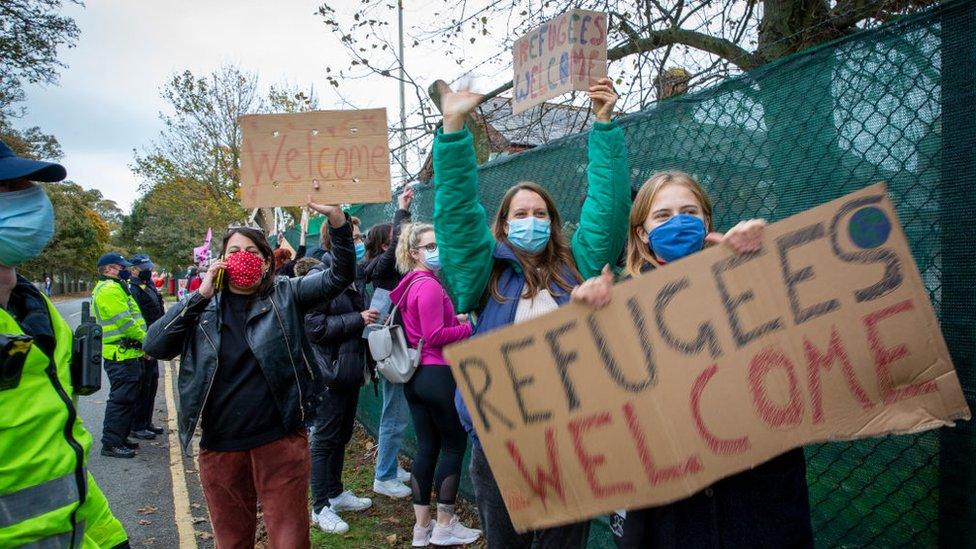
(144,434)
(118,452)
(131,444)
(157,430)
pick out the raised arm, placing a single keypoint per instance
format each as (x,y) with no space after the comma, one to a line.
(384,265)
(312,290)
(602,230)
(460,223)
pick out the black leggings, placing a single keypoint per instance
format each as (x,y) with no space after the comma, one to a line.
(430,394)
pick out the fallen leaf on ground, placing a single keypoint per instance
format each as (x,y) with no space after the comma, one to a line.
(147,510)
(204,535)
(197,520)
(149,541)
(391,539)
(195,505)
(145,522)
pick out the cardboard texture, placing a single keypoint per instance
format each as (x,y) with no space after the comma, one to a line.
(567,53)
(711,365)
(337,157)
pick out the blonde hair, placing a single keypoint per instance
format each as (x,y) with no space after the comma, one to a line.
(410,234)
(638,252)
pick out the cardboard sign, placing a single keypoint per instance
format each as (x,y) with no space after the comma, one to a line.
(568,53)
(337,157)
(711,365)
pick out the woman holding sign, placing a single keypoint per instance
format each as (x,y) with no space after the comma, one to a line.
(766,506)
(523,267)
(246,377)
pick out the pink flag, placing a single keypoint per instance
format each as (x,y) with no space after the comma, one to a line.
(202,253)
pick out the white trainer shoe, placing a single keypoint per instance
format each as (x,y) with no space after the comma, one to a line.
(346,501)
(421,535)
(330,522)
(391,488)
(403,475)
(453,534)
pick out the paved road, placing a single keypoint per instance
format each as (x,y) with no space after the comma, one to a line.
(141,490)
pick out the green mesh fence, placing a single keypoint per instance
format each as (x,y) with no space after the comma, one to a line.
(895,104)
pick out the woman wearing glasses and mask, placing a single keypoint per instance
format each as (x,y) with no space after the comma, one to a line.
(429,321)
(246,375)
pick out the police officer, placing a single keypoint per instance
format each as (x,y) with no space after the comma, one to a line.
(47,496)
(123,330)
(151,306)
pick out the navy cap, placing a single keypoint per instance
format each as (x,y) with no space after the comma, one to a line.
(113,258)
(15,167)
(143,262)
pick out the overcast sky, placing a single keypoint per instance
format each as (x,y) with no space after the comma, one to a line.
(107,102)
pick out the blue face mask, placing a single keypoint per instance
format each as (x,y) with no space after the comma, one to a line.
(530,234)
(677,237)
(432,260)
(360,251)
(26,225)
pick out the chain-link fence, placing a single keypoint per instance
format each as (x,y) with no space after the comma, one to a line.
(895,104)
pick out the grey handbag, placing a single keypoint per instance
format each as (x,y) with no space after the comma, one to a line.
(395,360)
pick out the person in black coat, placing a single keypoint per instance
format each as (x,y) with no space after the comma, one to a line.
(335,330)
(151,306)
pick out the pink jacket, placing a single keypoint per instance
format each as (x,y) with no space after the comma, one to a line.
(427,313)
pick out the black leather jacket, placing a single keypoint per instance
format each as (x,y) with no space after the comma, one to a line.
(274,329)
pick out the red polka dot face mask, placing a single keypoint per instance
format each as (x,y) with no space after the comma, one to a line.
(244,269)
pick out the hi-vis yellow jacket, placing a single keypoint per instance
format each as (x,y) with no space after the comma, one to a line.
(118,314)
(47,496)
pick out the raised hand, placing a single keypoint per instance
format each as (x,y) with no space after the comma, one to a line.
(405,198)
(602,99)
(455,105)
(332,211)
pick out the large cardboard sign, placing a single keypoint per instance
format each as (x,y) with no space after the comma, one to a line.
(568,53)
(337,157)
(711,365)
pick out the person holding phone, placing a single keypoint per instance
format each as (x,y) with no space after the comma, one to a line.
(247,377)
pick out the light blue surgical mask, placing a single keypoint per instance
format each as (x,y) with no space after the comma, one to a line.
(530,234)
(432,260)
(360,251)
(26,225)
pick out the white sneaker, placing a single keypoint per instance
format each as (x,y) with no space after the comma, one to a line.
(403,475)
(348,502)
(391,488)
(421,535)
(330,522)
(453,534)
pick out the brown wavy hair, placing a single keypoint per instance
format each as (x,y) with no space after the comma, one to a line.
(638,252)
(541,268)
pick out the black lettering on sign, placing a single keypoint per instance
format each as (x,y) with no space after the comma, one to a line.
(563,359)
(892,277)
(610,363)
(792,278)
(480,405)
(732,304)
(519,382)
(639,324)
(706,332)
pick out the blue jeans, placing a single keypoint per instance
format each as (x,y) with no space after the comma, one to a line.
(393,421)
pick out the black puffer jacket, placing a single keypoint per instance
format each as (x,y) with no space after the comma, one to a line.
(381,270)
(335,330)
(274,329)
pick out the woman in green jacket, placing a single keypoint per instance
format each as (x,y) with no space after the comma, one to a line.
(522,267)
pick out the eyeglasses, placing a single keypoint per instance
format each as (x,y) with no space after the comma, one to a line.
(432,247)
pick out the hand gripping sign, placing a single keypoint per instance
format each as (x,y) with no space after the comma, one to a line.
(568,53)
(711,365)
(337,157)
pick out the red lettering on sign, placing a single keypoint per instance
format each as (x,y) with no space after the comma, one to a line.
(773,414)
(656,475)
(341,163)
(263,163)
(721,446)
(817,361)
(322,166)
(542,478)
(601,35)
(590,462)
(290,157)
(884,357)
